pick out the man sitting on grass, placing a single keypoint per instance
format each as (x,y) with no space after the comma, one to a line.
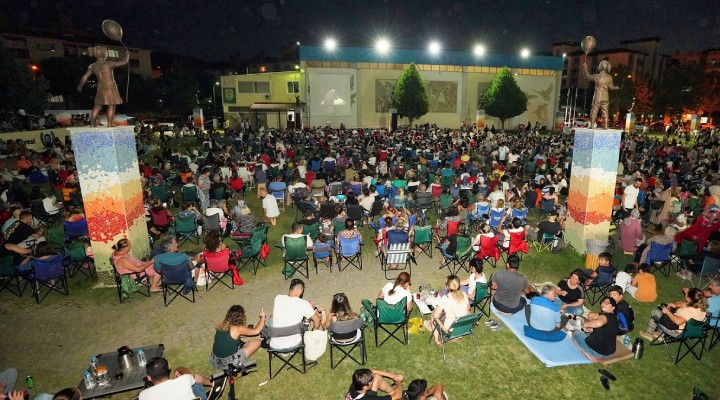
(509,287)
(367,382)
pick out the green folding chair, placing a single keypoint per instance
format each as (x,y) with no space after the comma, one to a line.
(295,256)
(159,192)
(190,193)
(393,319)
(250,256)
(186,229)
(463,326)
(693,334)
(423,239)
(481,301)
(312,230)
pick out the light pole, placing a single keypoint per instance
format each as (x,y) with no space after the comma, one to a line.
(214,98)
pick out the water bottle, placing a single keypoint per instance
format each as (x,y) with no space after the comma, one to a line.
(638,348)
(141,358)
(89,381)
(626,341)
(93,364)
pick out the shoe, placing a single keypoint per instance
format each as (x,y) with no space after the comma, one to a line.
(496,327)
(490,322)
(607,374)
(649,336)
(605,383)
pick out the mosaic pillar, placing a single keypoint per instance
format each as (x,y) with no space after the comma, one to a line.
(107,163)
(592,186)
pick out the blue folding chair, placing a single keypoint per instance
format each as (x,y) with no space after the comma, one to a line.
(658,258)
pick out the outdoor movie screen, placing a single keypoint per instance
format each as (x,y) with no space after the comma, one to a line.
(330,95)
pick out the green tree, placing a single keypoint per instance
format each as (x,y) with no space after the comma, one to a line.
(621,99)
(410,97)
(504,99)
(18,88)
(643,96)
(62,76)
(679,88)
(179,90)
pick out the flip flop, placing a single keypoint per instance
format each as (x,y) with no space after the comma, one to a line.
(605,383)
(607,374)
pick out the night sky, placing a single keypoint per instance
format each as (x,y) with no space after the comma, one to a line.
(215,29)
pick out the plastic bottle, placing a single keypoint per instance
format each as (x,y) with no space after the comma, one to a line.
(89,381)
(141,358)
(626,341)
(638,348)
(93,364)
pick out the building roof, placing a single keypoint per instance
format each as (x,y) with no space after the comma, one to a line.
(407,56)
(273,106)
(647,39)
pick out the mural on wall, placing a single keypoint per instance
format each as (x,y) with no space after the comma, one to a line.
(112,191)
(384,89)
(442,96)
(539,103)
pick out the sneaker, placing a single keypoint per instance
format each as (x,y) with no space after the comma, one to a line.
(490,322)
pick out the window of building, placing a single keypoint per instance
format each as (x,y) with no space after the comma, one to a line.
(113,54)
(46,46)
(262,68)
(246,87)
(262,87)
(293,87)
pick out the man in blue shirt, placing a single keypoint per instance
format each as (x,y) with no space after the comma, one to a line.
(171,257)
(543,314)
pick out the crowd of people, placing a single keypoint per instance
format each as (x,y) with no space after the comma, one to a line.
(482,184)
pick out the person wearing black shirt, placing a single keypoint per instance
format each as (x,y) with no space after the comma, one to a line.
(598,338)
(625,313)
(549,227)
(570,295)
(367,382)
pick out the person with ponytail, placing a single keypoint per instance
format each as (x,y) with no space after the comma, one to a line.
(450,307)
(127,263)
(393,292)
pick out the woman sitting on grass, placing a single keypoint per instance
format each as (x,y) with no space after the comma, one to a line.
(228,347)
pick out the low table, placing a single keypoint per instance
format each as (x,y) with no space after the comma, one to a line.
(132,379)
(426,306)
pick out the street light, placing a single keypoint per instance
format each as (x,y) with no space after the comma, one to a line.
(214,98)
(434,47)
(330,44)
(382,46)
(525,53)
(479,50)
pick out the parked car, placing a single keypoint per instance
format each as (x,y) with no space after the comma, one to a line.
(640,127)
(582,123)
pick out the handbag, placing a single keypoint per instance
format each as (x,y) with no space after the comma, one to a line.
(315,344)
(128,286)
(237,279)
(668,323)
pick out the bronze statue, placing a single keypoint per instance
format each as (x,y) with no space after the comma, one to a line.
(603,81)
(107,91)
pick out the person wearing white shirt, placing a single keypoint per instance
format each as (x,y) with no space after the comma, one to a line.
(290,310)
(624,278)
(185,386)
(495,195)
(394,292)
(630,196)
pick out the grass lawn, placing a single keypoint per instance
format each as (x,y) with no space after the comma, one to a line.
(54,340)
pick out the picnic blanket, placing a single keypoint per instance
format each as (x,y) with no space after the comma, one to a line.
(552,354)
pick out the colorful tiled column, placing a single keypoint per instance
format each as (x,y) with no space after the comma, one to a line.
(107,164)
(592,185)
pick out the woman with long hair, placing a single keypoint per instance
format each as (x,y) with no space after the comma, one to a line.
(340,310)
(453,305)
(228,346)
(393,292)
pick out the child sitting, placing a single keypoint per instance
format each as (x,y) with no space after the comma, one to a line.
(321,250)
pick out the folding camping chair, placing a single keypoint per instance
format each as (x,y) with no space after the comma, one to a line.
(141,280)
(423,240)
(489,251)
(659,258)
(546,242)
(250,256)
(78,259)
(217,267)
(460,259)
(48,273)
(286,354)
(346,347)
(10,277)
(398,254)
(176,280)
(186,229)
(392,319)
(481,300)
(463,326)
(295,256)
(350,251)
(693,333)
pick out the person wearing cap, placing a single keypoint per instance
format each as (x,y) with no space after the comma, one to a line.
(549,227)
(662,237)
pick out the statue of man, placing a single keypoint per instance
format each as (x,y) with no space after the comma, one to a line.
(603,81)
(107,91)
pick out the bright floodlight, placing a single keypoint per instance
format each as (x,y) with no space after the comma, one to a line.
(382,45)
(330,44)
(479,50)
(564,55)
(434,47)
(525,53)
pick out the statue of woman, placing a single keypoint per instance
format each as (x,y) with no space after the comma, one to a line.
(107,91)
(601,99)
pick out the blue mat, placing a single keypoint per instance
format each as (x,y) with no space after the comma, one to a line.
(552,354)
